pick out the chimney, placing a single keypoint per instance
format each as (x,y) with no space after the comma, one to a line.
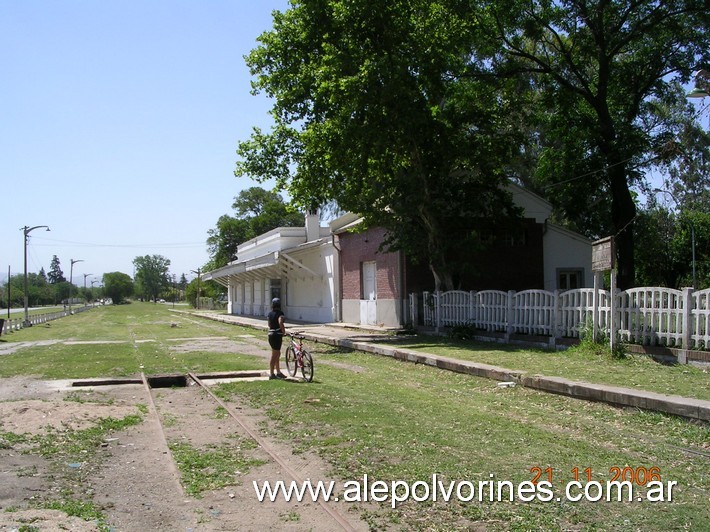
(312,226)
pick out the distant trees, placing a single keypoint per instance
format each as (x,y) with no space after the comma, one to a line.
(118,286)
(39,292)
(256,211)
(152,276)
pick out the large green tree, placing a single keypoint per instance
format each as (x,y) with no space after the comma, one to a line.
(256,211)
(118,286)
(667,239)
(152,276)
(599,64)
(374,107)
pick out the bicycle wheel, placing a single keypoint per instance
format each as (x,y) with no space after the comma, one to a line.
(307,368)
(290,361)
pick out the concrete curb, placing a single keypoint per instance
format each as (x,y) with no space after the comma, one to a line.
(697,409)
(614,395)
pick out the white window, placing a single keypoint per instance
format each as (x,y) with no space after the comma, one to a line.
(569,279)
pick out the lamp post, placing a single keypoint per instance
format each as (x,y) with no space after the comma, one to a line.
(93,298)
(197,301)
(174,289)
(85,276)
(692,232)
(27,230)
(71,282)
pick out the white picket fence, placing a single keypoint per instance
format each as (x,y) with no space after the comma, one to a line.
(11,325)
(646,316)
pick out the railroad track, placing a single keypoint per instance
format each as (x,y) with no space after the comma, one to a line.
(177,402)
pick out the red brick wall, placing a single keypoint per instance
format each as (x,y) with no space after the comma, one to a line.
(363,247)
(500,267)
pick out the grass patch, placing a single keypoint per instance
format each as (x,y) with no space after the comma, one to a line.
(142,339)
(582,363)
(89,398)
(82,509)
(398,421)
(75,445)
(67,450)
(212,467)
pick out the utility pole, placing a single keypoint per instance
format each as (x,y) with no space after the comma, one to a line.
(197,301)
(27,230)
(71,282)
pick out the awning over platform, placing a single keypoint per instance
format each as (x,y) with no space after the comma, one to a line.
(269,266)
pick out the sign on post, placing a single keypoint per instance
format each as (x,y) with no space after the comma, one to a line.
(603,261)
(603,255)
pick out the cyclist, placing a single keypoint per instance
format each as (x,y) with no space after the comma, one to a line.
(276,332)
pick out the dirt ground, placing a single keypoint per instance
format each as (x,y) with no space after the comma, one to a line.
(133,478)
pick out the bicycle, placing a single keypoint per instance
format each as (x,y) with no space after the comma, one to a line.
(298,357)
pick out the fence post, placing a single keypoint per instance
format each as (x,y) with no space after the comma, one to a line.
(510,313)
(437,309)
(471,307)
(595,305)
(614,309)
(414,308)
(687,325)
(554,319)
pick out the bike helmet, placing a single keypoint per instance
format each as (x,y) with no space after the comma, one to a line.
(276,303)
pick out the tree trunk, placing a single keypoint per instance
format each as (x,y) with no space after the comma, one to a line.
(623,208)
(443,280)
(623,212)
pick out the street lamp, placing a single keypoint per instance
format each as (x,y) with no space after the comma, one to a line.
(692,231)
(197,301)
(93,298)
(71,282)
(27,230)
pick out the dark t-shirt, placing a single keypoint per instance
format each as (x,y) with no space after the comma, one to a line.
(273,319)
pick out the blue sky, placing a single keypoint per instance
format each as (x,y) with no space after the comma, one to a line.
(119,122)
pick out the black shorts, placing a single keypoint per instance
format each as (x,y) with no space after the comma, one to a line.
(275,340)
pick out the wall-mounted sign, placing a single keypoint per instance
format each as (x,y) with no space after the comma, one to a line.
(603,254)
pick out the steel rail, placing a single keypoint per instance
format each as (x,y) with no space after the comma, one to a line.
(153,410)
(271,452)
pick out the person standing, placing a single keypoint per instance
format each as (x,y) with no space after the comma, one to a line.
(277,330)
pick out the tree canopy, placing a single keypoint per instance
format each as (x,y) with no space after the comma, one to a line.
(55,271)
(600,66)
(118,286)
(373,108)
(414,113)
(152,276)
(256,211)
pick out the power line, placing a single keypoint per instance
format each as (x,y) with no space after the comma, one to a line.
(639,165)
(142,246)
